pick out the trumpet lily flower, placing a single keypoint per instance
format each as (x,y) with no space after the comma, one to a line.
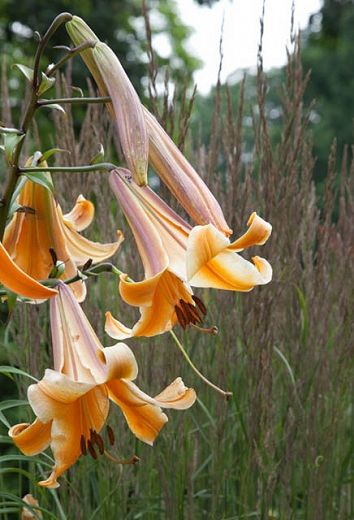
(39,230)
(201,256)
(17,281)
(164,156)
(71,402)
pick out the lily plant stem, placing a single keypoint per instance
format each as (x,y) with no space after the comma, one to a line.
(13,172)
(75,169)
(73,101)
(227,395)
(89,44)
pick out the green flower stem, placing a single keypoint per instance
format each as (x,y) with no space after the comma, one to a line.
(73,101)
(27,118)
(227,395)
(54,26)
(75,169)
(89,44)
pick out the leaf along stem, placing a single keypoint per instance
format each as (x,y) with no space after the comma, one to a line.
(89,44)
(106,166)
(73,101)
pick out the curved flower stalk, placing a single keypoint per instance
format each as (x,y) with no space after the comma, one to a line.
(201,256)
(127,109)
(164,156)
(71,402)
(39,231)
(17,281)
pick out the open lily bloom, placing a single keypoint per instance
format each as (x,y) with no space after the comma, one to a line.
(39,230)
(163,293)
(201,256)
(17,281)
(71,402)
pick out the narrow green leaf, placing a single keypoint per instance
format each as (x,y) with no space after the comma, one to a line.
(48,153)
(79,90)
(4,369)
(45,84)
(10,143)
(99,157)
(11,300)
(26,71)
(12,403)
(40,178)
(4,420)
(55,106)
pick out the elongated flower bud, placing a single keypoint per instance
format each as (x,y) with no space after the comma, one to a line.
(181,178)
(127,110)
(129,118)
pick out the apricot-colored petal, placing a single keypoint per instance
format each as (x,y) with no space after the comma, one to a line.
(120,362)
(82,214)
(81,249)
(33,438)
(144,420)
(204,243)
(115,329)
(58,387)
(90,411)
(138,293)
(257,234)
(13,278)
(229,271)
(176,396)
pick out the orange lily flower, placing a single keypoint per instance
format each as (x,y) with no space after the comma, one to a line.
(71,402)
(201,256)
(40,230)
(17,281)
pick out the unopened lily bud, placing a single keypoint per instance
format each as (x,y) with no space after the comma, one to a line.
(129,116)
(126,108)
(181,178)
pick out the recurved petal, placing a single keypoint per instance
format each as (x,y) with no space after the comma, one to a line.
(115,329)
(82,214)
(81,249)
(139,293)
(31,438)
(257,234)
(144,420)
(13,278)
(120,362)
(176,396)
(204,243)
(230,272)
(54,391)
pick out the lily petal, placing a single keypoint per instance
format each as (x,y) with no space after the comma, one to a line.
(15,279)
(33,438)
(120,361)
(115,329)
(82,214)
(257,234)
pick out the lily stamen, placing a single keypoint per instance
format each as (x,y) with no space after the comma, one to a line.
(211,330)
(200,304)
(83,445)
(133,460)
(110,434)
(91,449)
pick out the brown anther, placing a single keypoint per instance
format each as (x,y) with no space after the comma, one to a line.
(92,436)
(110,434)
(181,317)
(91,450)
(83,445)
(53,255)
(187,312)
(194,312)
(100,444)
(87,265)
(199,304)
